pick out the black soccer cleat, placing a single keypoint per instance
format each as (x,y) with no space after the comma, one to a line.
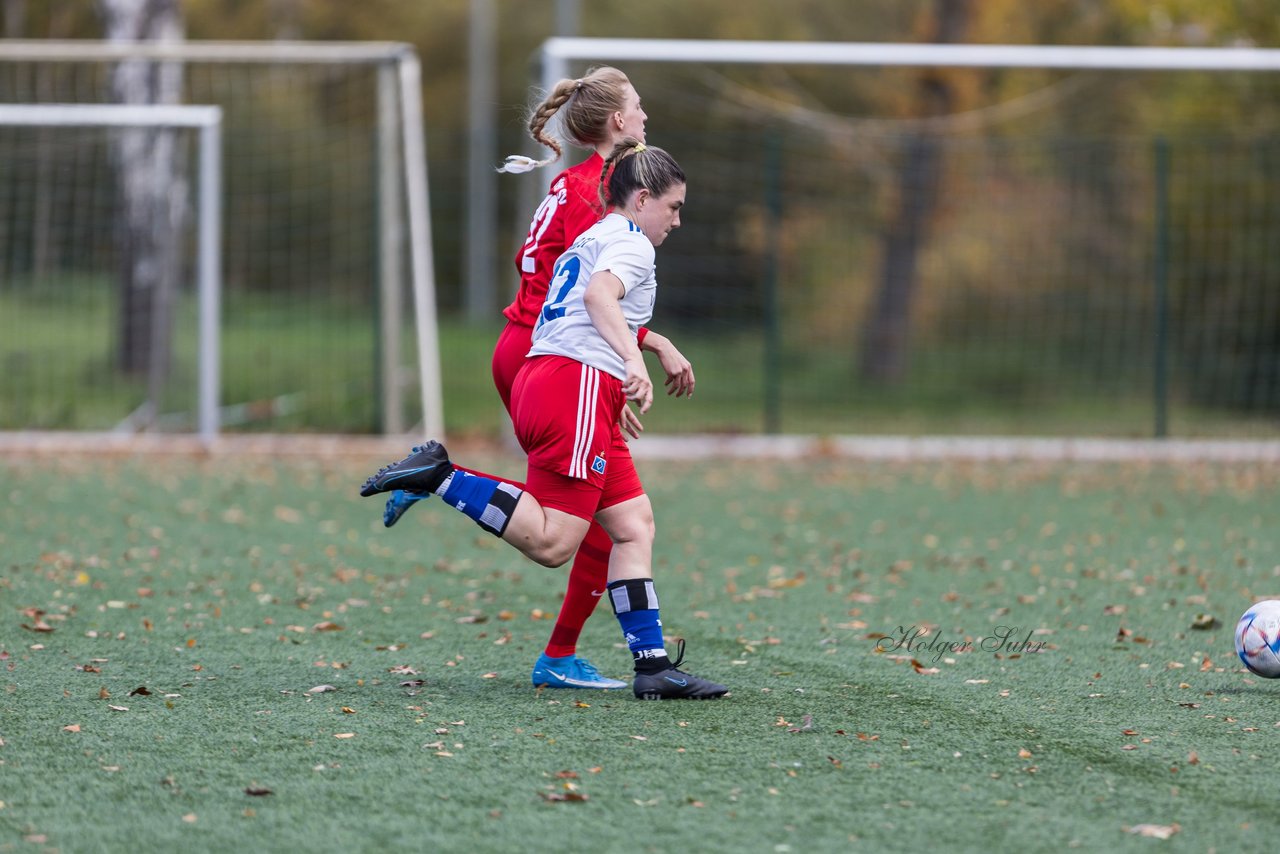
(421,471)
(674,684)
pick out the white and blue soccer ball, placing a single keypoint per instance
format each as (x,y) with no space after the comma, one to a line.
(1258,638)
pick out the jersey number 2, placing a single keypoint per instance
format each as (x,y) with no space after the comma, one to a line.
(562,281)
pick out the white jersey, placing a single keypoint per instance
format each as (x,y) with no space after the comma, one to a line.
(564,328)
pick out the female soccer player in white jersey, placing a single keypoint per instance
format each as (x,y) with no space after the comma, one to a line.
(583,367)
(596,111)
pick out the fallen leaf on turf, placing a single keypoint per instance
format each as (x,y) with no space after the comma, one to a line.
(413,683)
(1204,622)
(1193,758)
(836,762)
(189,818)
(257,793)
(140,691)
(779,583)
(1023,753)
(344,735)
(561,797)
(489,676)
(326,626)
(287,514)
(118,708)
(71,728)
(321,689)
(1155,831)
(566,775)
(403,670)
(104,694)
(347,710)
(1206,665)
(1115,609)
(805,725)
(920,668)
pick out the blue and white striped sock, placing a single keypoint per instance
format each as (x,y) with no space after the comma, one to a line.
(488,502)
(635,603)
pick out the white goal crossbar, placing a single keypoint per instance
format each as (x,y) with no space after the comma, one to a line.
(558,52)
(207,120)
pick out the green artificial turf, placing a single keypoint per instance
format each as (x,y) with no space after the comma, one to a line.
(163,622)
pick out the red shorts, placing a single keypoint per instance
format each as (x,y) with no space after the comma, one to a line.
(509,357)
(566,418)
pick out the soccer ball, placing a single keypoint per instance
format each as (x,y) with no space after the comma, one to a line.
(1258,638)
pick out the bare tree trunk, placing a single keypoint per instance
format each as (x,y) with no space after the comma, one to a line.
(15,18)
(886,339)
(153,190)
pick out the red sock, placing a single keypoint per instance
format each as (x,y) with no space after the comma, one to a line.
(587,582)
(517,484)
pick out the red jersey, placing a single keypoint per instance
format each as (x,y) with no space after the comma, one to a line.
(571,207)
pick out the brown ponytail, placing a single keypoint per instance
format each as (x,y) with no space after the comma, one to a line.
(584,106)
(632,166)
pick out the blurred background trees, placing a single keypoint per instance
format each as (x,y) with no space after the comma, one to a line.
(921,210)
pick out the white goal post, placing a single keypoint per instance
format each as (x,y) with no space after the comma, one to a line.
(567,57)
(557,53)
(207,120)
(402,173)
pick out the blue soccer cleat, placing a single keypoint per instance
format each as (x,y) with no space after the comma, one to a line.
(570,672)
(399,503)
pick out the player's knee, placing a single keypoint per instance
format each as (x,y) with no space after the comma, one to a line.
(639,529)
(552,554)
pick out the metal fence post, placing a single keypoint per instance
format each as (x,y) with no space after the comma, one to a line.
(1160,273)
(770,302)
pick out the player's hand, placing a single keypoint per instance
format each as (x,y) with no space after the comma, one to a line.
(678,369)
(630,423)
(637,386)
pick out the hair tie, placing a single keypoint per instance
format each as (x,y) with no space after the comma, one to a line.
(639,147)
(577,84)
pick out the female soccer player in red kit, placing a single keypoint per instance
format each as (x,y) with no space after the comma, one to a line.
(596,111)
(583,366)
